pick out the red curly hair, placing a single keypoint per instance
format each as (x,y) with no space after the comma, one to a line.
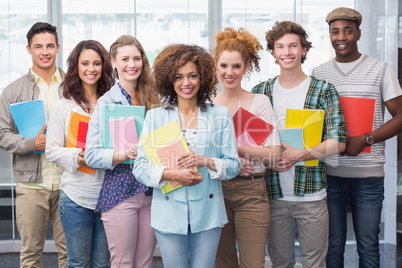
(241,41)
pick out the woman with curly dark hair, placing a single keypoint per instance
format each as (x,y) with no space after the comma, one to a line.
(88,77)
(188,220)
(124,202)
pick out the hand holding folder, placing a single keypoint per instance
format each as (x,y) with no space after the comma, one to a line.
(163,146)
(77,135)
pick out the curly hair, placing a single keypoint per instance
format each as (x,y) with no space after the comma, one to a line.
(175,56)
(287,27)
(144,91)
(72,85)
(241,41)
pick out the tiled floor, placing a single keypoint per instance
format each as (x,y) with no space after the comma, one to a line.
(391,257)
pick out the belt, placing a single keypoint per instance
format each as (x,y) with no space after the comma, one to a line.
(251,177)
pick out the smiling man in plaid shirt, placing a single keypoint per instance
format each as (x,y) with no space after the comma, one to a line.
(298,193)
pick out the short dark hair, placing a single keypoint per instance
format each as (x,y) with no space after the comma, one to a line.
(72,86)
(287,27)
(174,57)
(41,27)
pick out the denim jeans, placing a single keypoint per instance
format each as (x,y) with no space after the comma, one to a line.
(84,233)
(365,196)
(202,246)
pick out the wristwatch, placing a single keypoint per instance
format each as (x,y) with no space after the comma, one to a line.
(369,139)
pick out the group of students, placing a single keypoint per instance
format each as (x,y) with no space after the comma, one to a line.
(240,197)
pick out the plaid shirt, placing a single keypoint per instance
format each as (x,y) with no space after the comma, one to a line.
(321,95)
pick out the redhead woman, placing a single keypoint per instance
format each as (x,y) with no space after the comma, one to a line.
(89,76)
(124,202)
(246,199)
(188,220)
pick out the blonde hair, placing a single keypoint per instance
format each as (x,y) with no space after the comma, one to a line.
(241,41)
(145,91)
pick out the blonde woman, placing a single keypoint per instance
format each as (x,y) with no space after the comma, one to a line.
(124,202)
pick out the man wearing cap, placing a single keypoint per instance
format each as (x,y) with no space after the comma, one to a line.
(356,177)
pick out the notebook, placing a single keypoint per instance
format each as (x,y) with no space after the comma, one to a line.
(29,117)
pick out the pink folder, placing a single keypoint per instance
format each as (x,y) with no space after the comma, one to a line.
(168,156)
(246,139)
(123,133)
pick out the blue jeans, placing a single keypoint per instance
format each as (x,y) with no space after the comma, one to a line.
(202,246)
(84,233)
(365,196)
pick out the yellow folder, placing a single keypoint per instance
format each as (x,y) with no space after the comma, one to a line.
(312,122)
(168,137)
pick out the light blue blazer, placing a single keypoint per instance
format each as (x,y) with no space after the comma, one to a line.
(206,209)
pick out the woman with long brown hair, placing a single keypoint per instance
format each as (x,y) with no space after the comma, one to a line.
(89,77)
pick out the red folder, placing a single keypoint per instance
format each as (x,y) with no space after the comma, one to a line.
(359,116)
(82,134)
(256,128)
(81,141)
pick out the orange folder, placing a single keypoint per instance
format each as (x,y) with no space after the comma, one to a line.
(359,116)
(74,132)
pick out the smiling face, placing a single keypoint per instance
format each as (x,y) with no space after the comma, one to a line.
(231,69)
(43,50)
(288,51)
(128,63)
(344,36)
(187,83)
(89,68)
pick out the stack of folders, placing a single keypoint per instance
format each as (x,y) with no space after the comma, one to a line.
(163,146)
(311,122)
(77,135)
(250,129)
(122,125)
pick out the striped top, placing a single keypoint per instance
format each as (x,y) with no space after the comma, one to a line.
(370,78)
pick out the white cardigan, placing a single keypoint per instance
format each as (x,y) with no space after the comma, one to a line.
(82,188)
